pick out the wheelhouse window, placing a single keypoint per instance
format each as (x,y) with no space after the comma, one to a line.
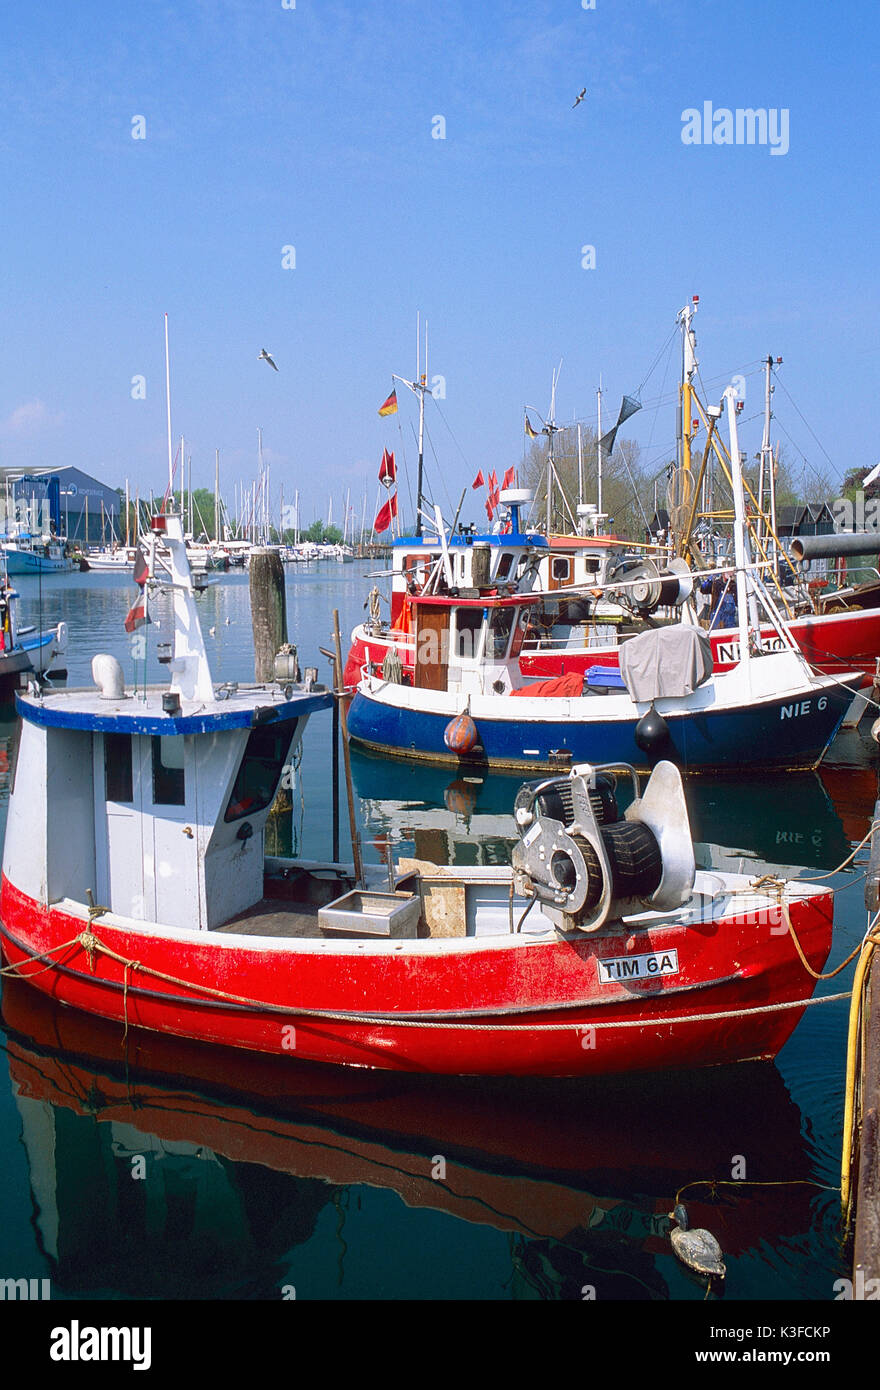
(118,781)
(169,786)
(260,772)
(561,568)
(500,623)
(468,626)
(504,565)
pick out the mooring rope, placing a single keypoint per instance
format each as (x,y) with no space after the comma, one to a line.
(91,944)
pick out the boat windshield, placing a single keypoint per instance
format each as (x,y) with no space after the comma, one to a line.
(500,624)
(259,773)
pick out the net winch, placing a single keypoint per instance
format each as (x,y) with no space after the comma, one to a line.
(646,586)
(588,865)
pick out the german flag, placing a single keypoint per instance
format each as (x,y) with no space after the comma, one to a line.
(390,406)
(533,434)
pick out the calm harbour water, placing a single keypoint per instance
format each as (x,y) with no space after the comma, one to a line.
(160,1170)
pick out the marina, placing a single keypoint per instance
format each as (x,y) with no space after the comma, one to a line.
(439,683)
(770,1237)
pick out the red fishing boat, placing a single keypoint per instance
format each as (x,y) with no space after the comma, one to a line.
(135,887)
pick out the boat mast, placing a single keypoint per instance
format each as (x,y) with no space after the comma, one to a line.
(689,366)
(768,470)
(258,496)
(419,387)
(744,596)
(599,445)
(580,469)
(550,430)
(217,496)
(168,413)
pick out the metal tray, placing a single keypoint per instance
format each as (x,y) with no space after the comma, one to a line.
(369,913)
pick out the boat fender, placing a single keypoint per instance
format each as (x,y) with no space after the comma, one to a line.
(460,735)
(108,677)
(652,732)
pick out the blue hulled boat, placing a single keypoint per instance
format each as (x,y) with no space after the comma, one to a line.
(466,699)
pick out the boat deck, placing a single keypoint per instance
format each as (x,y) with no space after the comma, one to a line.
(290,903)
(269,917)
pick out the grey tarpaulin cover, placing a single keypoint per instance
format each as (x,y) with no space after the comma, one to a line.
(666,661)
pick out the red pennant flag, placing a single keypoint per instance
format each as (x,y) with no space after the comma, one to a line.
(479,480)
(509,478)
(383,520)
(137,614)
(490,510)
(389,407)
(387,470)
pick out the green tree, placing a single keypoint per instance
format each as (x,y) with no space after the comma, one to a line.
(321,534)
(624,484)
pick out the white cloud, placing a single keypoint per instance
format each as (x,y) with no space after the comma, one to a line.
(30,418)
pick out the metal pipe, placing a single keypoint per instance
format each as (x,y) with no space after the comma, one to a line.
(841,543)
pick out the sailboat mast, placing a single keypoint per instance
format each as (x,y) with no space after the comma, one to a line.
(217,495)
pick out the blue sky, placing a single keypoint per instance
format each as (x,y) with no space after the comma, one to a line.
(312,127)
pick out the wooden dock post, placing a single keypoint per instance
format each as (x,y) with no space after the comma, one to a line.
(866,1245)
(268,610)
(863,1092)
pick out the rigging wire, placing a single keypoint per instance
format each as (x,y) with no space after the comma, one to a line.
(779,382)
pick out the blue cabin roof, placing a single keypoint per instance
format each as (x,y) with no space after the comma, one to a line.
(88,711)
(514,539)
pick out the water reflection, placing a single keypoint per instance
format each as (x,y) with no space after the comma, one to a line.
(260,1173)
(163,1169)
(780,822)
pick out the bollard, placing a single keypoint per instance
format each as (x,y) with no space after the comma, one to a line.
(268,610)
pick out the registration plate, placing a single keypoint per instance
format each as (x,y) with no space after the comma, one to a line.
(622,969)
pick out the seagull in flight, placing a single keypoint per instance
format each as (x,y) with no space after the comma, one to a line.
(265,357)
(581,95)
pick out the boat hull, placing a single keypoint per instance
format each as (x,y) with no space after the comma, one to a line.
(780,732)
(27,562)
(500,1005)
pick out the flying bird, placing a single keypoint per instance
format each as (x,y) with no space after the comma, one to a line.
(265,357)
(581,95)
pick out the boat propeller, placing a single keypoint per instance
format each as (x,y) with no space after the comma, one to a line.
(586,863)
